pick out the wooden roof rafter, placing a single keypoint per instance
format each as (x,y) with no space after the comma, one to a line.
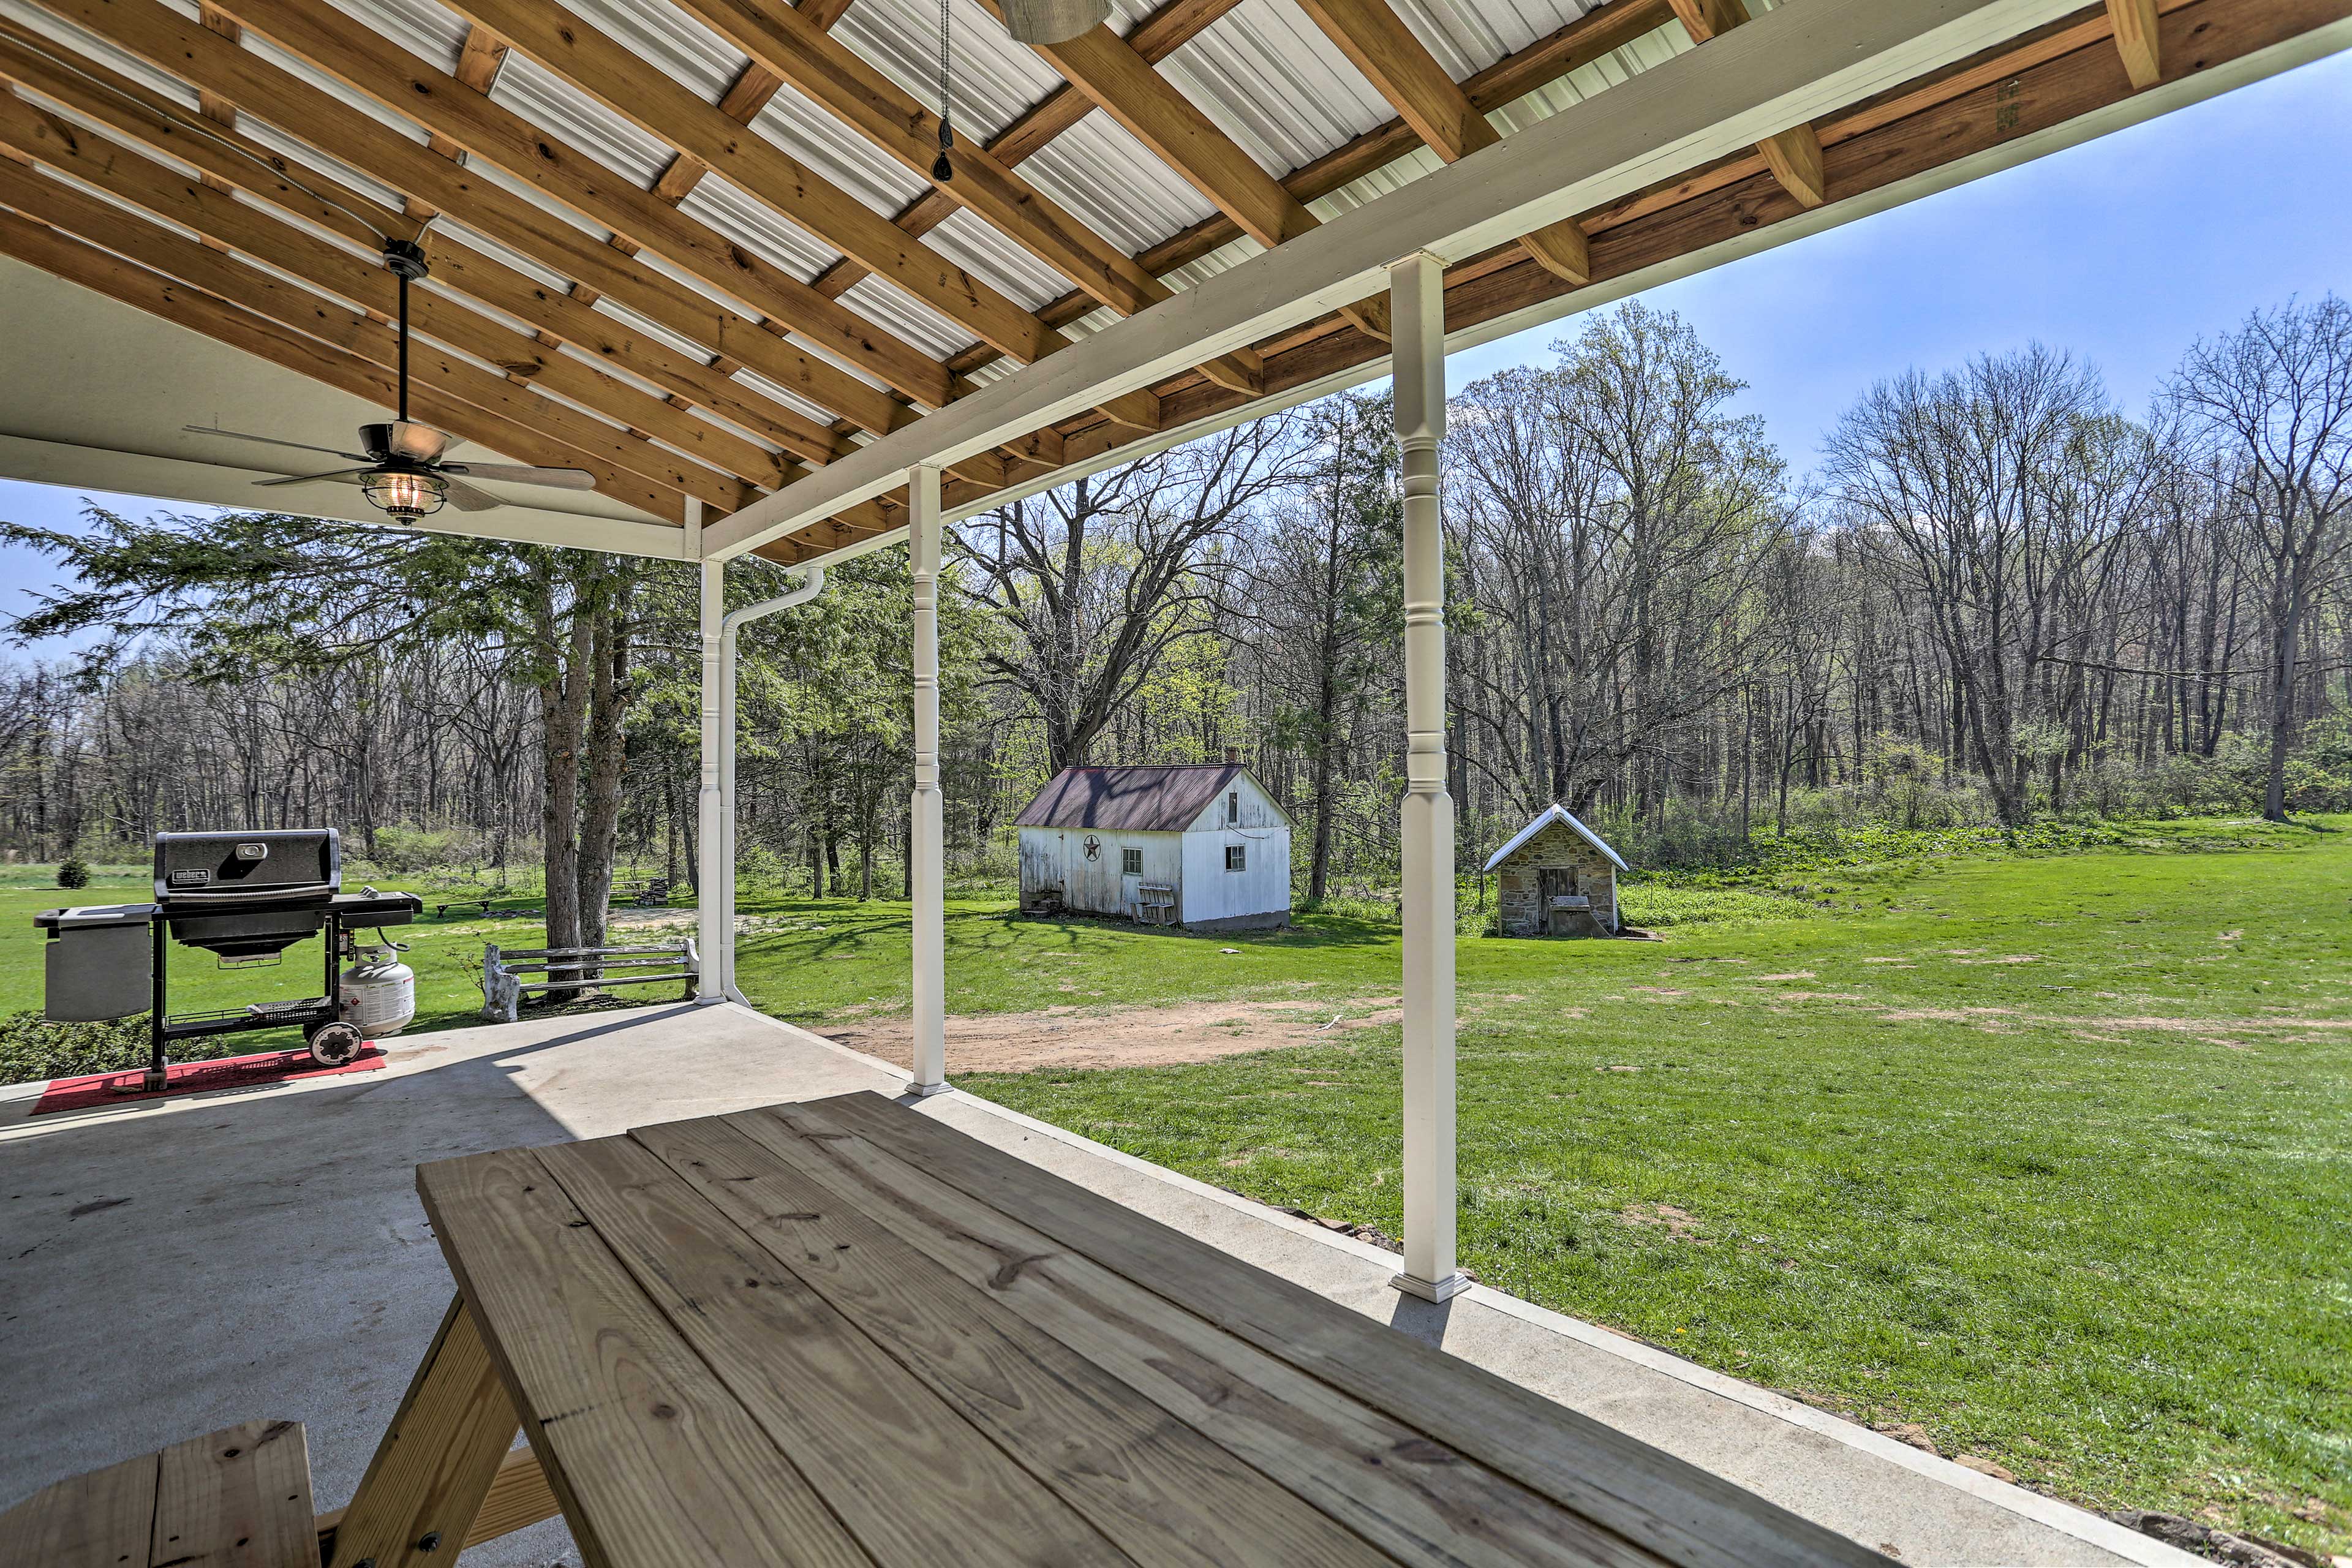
(668,415)
(140,118)
(2039,84)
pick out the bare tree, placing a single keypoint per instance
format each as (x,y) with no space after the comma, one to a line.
(2274,401)
(1092,583)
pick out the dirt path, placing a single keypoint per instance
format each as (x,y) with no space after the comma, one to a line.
(1137,1037)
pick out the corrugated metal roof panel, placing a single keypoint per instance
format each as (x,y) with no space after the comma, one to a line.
(1263,71)
(757,227)
(979,249)
(665,37)
(995,79)
(1139,799)
(916,322)
(432,33)
(1102,174)
(547,101)
(1274,83)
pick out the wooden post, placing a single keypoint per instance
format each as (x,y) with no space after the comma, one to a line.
(1417,308)
(714,872)
(928,872)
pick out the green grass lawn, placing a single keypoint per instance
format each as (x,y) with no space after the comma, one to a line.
(2045,1160)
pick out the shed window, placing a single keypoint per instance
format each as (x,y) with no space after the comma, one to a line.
(1236,858)
(1234,808)
(1130,861)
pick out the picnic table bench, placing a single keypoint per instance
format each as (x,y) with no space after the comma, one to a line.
(842,1333)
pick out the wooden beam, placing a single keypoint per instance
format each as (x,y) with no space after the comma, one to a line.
(358,139)
(478,62)
(782,41)
(1592,37)
(601,66)
(1794,155)
(612,454)
(1402,71)
(64,257)
(141,118)
(245,227)
(1800,63)
(438,102)
(2135,27)
(786,46)
(1108,70)
(2032,89)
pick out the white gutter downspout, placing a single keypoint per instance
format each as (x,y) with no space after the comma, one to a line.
(720,953)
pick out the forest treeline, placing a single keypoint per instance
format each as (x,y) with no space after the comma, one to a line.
(1996,595)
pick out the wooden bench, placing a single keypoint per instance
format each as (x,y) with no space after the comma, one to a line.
(506,971)
(239,1498)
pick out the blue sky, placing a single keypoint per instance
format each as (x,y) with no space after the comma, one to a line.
(2125,250)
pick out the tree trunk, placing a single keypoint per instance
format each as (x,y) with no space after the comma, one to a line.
(607,748)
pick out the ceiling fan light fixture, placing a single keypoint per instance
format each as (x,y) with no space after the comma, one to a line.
(1053,21)
(404,496)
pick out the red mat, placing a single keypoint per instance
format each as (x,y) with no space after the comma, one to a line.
(194,1078)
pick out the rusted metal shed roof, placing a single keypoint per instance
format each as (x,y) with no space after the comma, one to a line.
(1136,799)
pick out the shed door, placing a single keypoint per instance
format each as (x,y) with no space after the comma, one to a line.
(1553,882)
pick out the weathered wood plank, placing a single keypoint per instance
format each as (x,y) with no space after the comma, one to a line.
(518,1497)
(436,1460)
(102,1518)
(654,1460)
(907,1476)
(1168,1496)
(1417,1500)
(1683,1513)
(239,1498)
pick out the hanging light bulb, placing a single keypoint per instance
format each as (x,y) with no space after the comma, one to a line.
(1053,21)
(405,495)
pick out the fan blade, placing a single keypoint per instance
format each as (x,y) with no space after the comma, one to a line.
(520,474)
(464,497)
(272,440)
(342,476)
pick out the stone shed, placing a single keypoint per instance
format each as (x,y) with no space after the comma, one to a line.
(1557,878)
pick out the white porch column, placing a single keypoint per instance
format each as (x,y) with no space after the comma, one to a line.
(1417,303)
(928,875)
(713,871)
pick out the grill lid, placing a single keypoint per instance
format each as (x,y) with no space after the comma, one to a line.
(289,866)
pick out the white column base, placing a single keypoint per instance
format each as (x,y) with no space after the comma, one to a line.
(925,1091)
(1445,1289)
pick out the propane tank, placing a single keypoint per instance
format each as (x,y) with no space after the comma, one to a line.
(378,992)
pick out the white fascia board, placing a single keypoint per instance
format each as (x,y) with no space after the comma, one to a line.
(178,481)
(1797,62)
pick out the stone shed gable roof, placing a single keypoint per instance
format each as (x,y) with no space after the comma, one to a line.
(1545,819)
(1136,799)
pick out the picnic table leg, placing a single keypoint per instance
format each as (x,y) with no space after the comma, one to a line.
(416,1504)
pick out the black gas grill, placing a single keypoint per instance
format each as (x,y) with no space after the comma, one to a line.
(243,897)
(246,896)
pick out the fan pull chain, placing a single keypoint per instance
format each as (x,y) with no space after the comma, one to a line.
(940,168)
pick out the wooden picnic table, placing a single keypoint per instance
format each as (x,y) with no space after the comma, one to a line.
(842,1332)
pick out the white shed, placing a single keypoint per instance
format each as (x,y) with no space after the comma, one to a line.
(1201,846)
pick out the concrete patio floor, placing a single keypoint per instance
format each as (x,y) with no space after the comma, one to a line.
(169,1268)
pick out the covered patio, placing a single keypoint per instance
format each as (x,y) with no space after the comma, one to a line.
(837,331)
(181,1266)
